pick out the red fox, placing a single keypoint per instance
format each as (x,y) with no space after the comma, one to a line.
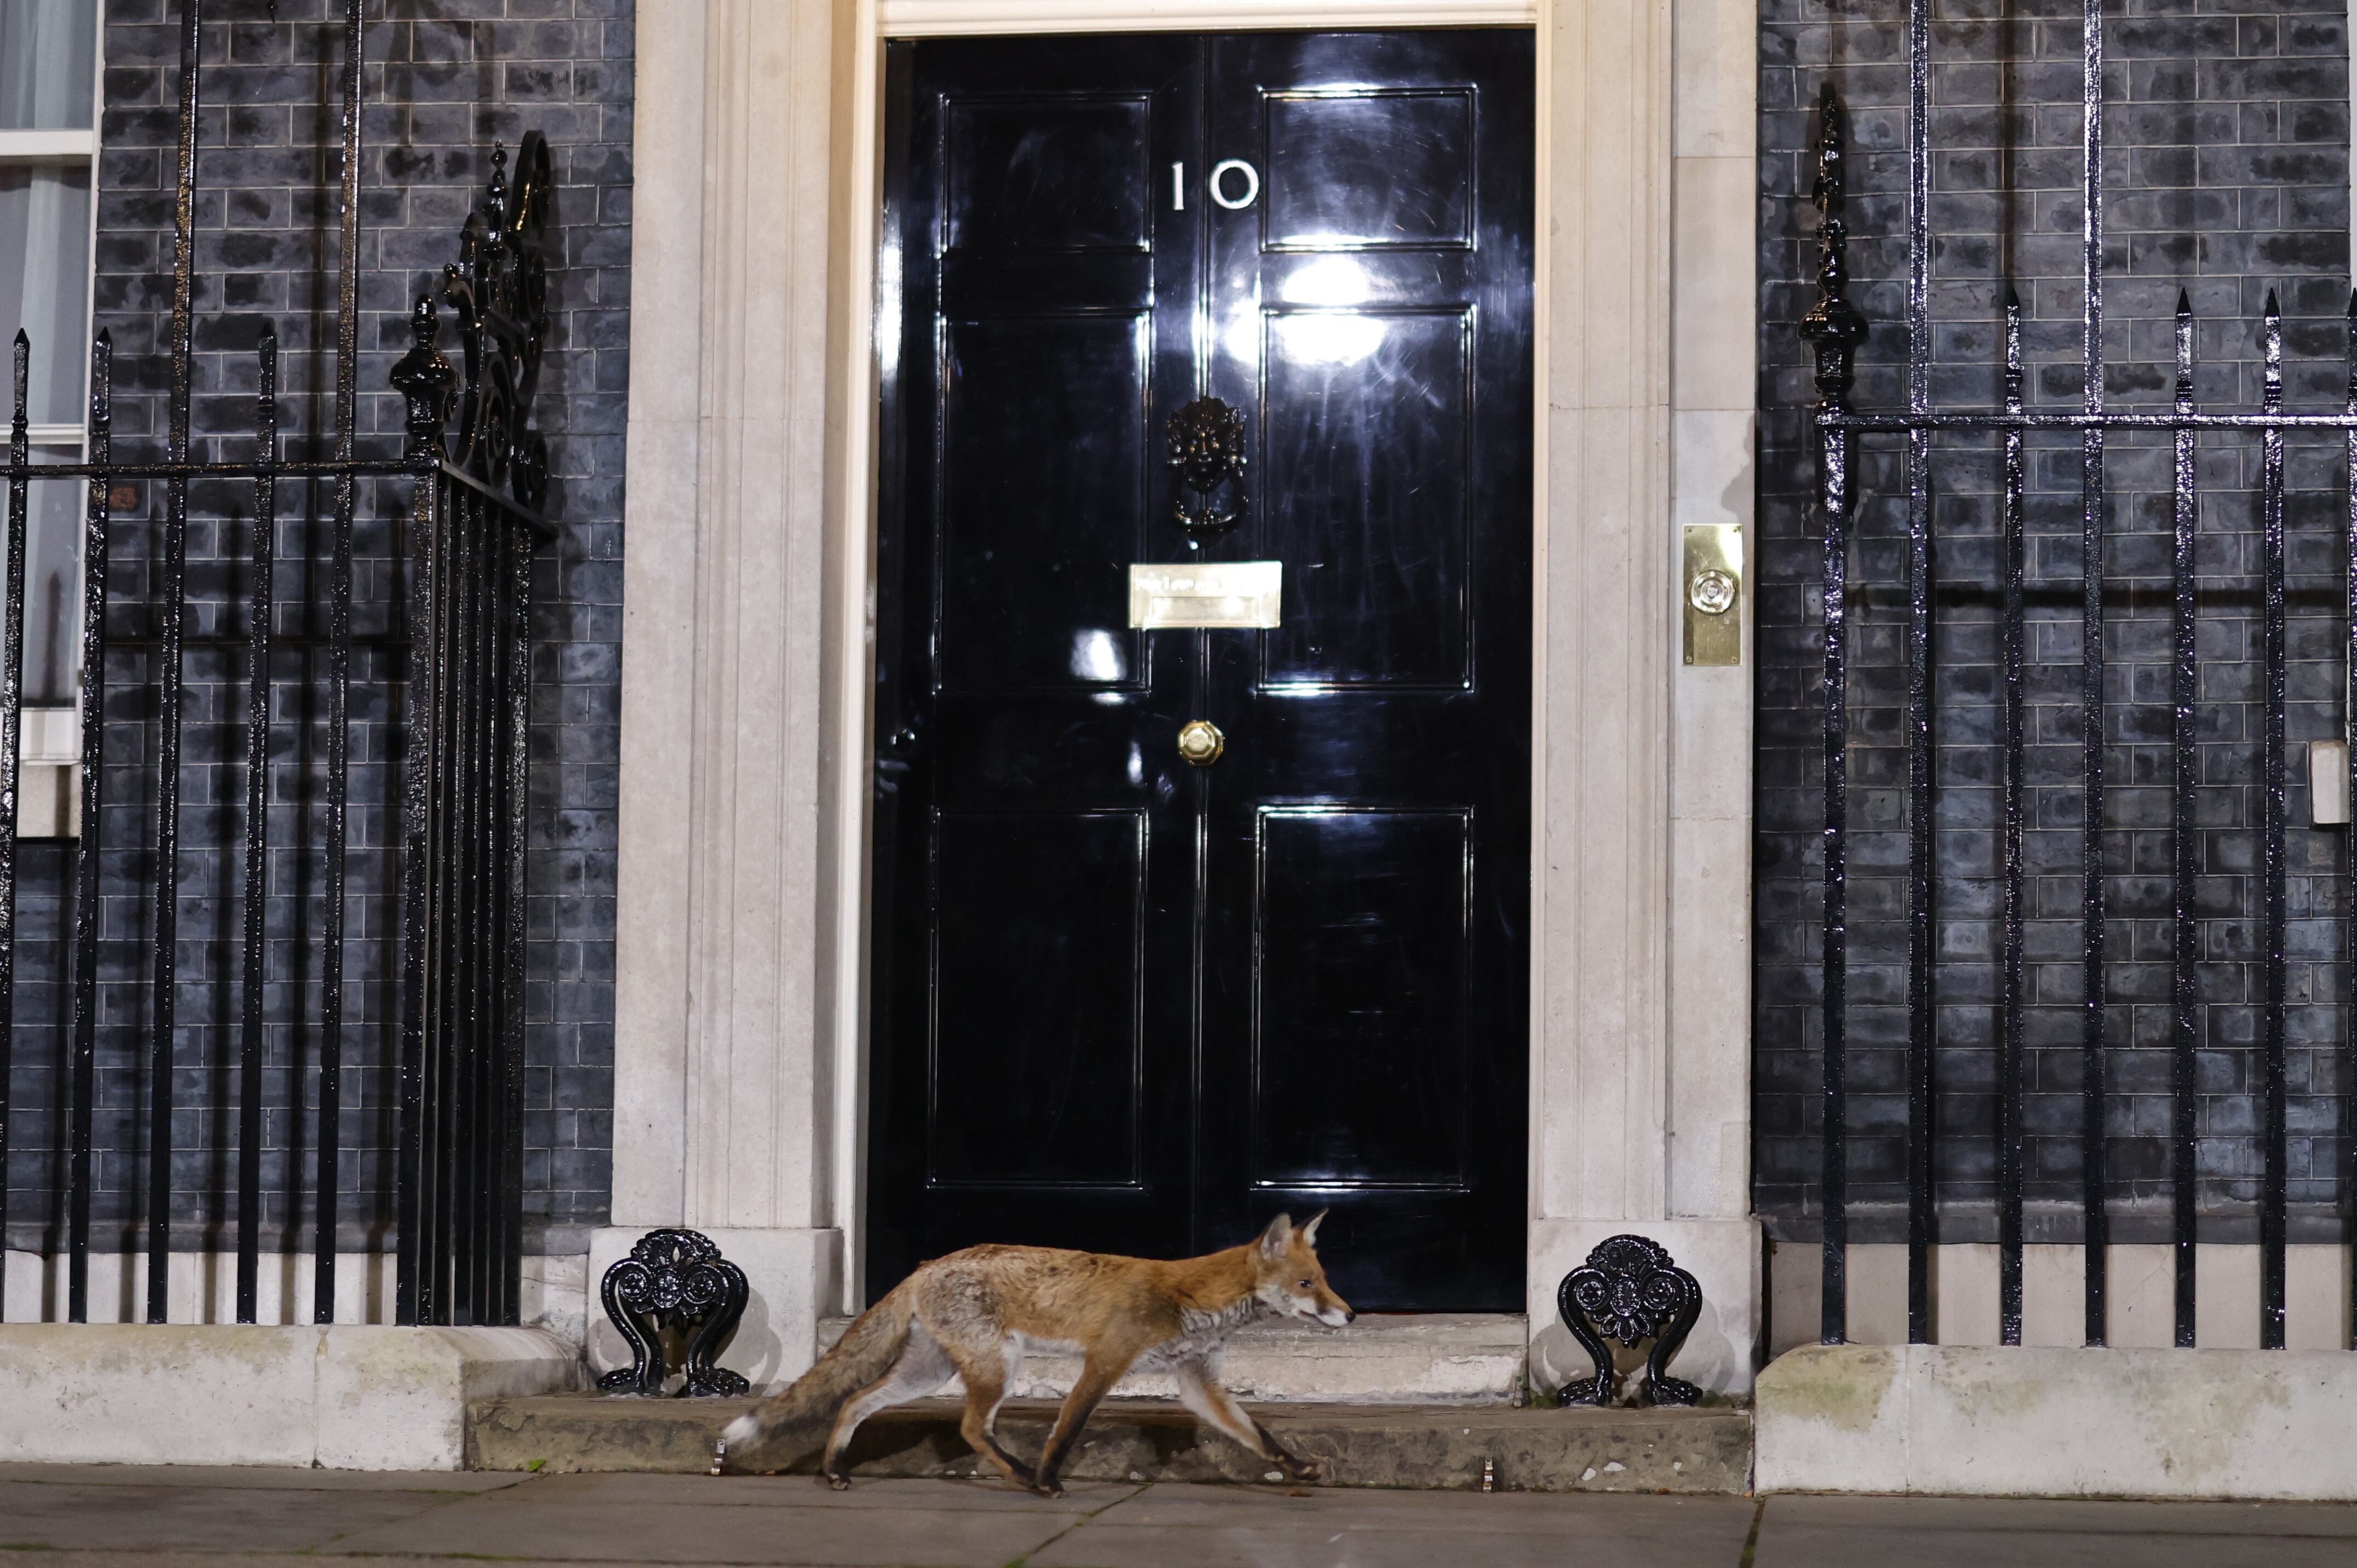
(974,1313)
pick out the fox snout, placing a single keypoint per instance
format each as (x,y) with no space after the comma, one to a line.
(1322,1306)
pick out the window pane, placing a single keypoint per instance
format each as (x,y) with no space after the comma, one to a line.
(52,582)
(45,64)
(45,281)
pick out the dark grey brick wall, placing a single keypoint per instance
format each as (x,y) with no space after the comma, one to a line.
(446,80)
(2227,174)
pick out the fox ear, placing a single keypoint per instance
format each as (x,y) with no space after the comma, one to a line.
(1279,1234)
(1309,1232)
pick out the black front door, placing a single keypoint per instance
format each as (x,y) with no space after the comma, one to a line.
(1122,1001)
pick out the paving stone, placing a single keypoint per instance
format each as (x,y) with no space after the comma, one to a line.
(216,1519)
(267,1477)
(1954,1532)
(1206,1526)
(70,1516)
(946,1526)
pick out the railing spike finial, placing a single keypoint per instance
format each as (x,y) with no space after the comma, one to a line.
(265,358)
(424,377)
(1833,324)
(498,190)
(2271,348)
(2013,375)
(2184,352)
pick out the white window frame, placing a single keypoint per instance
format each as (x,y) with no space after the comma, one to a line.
(66,149)
(50,744)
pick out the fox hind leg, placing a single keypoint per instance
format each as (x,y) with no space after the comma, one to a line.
(1201,1393)
(986,1373)
(921,1369)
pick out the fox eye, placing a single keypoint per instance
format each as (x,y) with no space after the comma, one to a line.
(1304,1284)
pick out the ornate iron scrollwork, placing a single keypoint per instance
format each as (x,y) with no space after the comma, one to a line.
(1630,1290)
(499,287)
(674,1280)
(1833,326)
(1207,451)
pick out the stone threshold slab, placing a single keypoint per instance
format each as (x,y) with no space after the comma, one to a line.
(2032,1422)
(1707,1450)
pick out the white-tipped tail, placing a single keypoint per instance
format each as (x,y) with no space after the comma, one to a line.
(864,1353)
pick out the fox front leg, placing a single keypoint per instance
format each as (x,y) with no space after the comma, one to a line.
(1098,1375)
(1293,1466)
(1212,1403)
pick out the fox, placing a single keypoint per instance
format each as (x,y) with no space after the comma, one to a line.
(974,1313)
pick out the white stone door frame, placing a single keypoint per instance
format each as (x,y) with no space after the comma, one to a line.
(748,642)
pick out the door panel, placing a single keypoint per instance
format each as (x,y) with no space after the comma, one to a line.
(1366,442)
(1061,172)
(1359,998)
(1351,167)
(1118,1002)
(1036,1084)
(1033,552)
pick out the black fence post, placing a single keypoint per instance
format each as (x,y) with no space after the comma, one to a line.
(1834,328)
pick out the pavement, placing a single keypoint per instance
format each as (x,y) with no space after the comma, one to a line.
(102,1516)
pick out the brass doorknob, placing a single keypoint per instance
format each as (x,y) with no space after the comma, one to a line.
(1200,742)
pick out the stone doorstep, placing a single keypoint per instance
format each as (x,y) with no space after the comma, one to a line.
(1412,1447)
(1439,1357)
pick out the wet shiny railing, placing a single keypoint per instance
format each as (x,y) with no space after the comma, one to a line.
(1834,328)
(478,478)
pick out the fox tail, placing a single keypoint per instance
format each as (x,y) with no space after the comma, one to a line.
(866,1351)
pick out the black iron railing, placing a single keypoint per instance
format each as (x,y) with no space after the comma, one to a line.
(1836,328)
(456,682)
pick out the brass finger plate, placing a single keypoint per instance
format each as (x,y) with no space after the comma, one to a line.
(1200,742)
(1710,587)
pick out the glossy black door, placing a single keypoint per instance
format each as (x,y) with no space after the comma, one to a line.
(1119,1001)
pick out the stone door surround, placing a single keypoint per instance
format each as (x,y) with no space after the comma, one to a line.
(742,952)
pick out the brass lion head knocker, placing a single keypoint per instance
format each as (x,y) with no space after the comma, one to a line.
(1207,451)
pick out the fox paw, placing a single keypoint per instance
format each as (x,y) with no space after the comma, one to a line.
(1048,1487)
(1305,1469)
(835,1482)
